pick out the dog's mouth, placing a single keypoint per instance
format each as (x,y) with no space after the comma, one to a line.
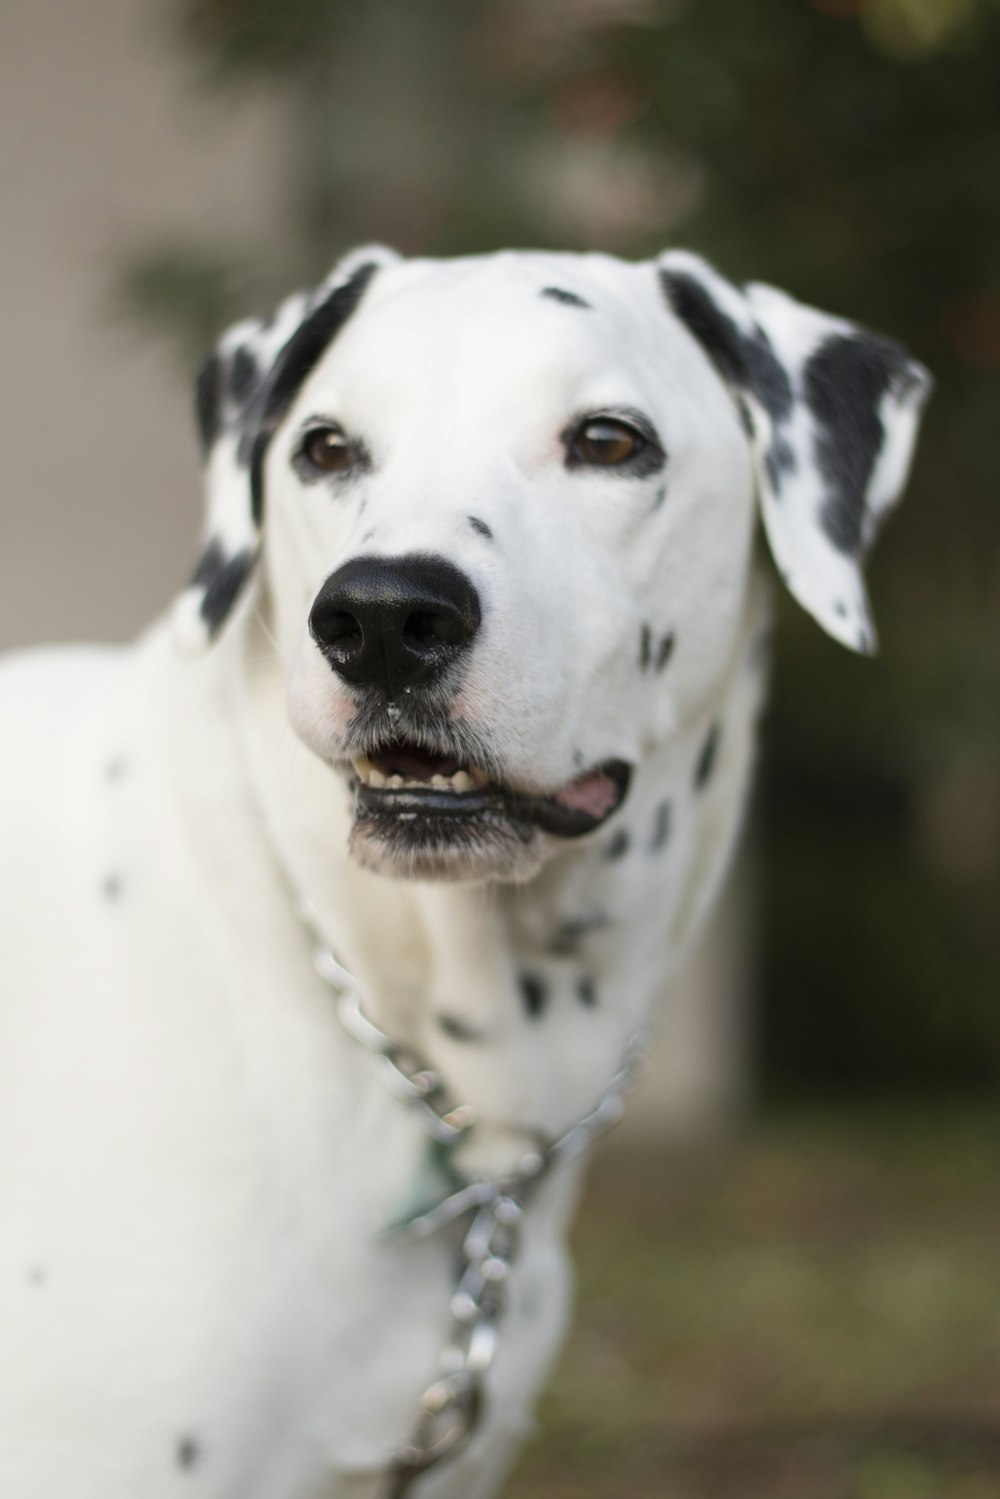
(438,798)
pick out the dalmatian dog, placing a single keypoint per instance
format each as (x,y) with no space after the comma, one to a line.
(471,662)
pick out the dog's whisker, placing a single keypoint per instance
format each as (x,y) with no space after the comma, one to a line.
(267,632)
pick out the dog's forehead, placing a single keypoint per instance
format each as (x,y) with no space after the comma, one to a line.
(583,281)
(557,314)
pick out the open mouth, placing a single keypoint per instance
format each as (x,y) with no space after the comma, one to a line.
(403,783)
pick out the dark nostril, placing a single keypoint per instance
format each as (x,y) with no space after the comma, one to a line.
(340,628)
(427,629)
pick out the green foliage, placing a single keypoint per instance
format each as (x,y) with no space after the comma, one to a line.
(187,293)
(807,1311)
(273,37)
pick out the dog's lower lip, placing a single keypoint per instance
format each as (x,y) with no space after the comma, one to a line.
(576,808)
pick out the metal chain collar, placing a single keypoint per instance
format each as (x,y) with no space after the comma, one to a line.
(452,1405)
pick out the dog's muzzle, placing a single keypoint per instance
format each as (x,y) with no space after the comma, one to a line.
(429,798)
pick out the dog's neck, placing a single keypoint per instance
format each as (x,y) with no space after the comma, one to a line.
(522,996)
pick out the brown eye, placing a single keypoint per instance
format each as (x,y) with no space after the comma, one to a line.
(328,450)
(606,443)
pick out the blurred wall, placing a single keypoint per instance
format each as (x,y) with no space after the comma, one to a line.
(107,142)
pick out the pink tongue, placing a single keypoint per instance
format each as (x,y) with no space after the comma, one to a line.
(595,794)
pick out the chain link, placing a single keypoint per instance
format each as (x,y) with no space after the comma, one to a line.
(451,1406)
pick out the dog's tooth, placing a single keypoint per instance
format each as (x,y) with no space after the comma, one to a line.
(363,767)
(441,783)
(395,781)
(375,777)
(461,780)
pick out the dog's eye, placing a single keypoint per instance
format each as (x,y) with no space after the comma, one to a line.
(606,443)
(328,450)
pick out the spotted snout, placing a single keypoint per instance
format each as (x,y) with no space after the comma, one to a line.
(393,623)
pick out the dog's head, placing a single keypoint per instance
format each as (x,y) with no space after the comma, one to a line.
(501,513)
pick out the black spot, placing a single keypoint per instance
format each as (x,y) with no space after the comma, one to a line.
(661,495)
(294,364)
(768,377)
(207,404)
(746,360)
(617,846)
(481,527)
(661,828)
(210,564)
(571,933)
(221,578)
(225,587)
(586,991)
(844,383)
(309,343)
(534,994)
(840,609)
(714,329)
(706,760)
(242,376)
(645,647)
(568,298)
(112,887)
(187,1452)
(457,1029)
(665,650)
(258,452)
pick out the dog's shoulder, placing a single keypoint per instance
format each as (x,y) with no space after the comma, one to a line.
(47,688)
(51,699)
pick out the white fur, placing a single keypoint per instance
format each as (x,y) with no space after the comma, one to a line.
(195,1163)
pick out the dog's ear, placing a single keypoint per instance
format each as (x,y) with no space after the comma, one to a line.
(242,391)
(830,412)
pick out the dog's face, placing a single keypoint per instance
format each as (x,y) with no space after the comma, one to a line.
(507,508)
(481,502)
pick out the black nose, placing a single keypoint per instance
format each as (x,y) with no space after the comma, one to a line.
(394,622)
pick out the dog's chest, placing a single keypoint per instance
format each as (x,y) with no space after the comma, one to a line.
(212,1165)
(212,1160)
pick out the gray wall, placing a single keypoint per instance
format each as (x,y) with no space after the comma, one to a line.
(107,143)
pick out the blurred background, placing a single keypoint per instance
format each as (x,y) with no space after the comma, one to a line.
(789,1265)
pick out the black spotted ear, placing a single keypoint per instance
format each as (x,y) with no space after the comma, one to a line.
(242,392)
(831,414)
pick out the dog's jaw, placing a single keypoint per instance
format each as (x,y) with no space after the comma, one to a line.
(462,826)
(431,796)
(422,850)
